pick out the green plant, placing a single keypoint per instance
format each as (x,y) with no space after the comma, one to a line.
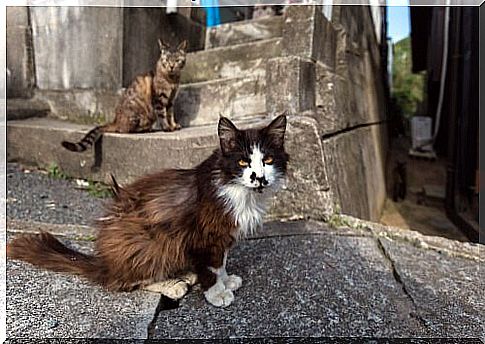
(55,172)
(99,190)
(407,87)
(336,220)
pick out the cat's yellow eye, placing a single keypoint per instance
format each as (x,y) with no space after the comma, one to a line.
(243,163)
(268,160)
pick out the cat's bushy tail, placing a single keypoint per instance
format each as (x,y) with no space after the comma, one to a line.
(45,251)
(89,139)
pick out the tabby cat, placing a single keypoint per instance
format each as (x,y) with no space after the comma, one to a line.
(147,102)
(167,229)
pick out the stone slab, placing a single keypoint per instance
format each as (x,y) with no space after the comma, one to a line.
(243,32)
(344,161)
(447,293)
(20,62)
(77,47)
(17,16)
(44,304)
(127,156)
(236,98)
(291,85)
(308,34)
(340,103)
(307,192)
(18,108)
(85,106)
(301,286)
(196,104)
(232,61)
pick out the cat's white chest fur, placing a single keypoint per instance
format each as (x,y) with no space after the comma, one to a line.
(247,206)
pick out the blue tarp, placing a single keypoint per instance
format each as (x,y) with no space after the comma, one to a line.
(213,17)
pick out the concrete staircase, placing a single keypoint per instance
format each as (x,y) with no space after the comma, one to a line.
(229,78)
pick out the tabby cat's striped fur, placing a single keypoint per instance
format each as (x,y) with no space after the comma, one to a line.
(147,102)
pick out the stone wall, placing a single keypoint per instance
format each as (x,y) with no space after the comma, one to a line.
(20,62)
(330,74)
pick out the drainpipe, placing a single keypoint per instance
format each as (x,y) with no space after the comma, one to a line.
(444,68)
(452,118)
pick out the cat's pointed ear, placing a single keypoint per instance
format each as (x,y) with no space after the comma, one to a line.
(276,130)
(227,134)
(183,46)
(162,45)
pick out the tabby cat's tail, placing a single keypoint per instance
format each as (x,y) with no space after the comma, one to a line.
(45,251)
(89,139)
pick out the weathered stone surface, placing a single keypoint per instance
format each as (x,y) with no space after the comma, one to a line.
(290,85)
(18,108)
(20,63)
(231,61)
(344,161)
(300,279)
(374,162)
(450,248)
(81,106)
(352,20)
(17,16)
(244,32)
(77,47)
(321,285)
(203,103)
(45,304)
(308,34)
(340,103)
(447,293)
(307,191)
(355,170)
(128,156)
(196,104)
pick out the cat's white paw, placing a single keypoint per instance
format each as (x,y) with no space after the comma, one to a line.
(233,282)
(219,296)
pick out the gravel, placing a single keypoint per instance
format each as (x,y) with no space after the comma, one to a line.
(34,196)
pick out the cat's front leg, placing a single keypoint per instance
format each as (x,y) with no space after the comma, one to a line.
(161,122)
(215,282)
(171,119)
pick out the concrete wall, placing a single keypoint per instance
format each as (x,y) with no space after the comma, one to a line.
(20,63)
(87,42)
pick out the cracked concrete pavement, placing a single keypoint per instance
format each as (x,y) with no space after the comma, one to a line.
(299,279)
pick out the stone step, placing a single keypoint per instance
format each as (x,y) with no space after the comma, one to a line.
(37,142)
(18,108)
(203,103)
(244,31)
(229,62)
(127,156)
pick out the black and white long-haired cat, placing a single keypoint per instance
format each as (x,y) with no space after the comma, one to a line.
(168,229)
